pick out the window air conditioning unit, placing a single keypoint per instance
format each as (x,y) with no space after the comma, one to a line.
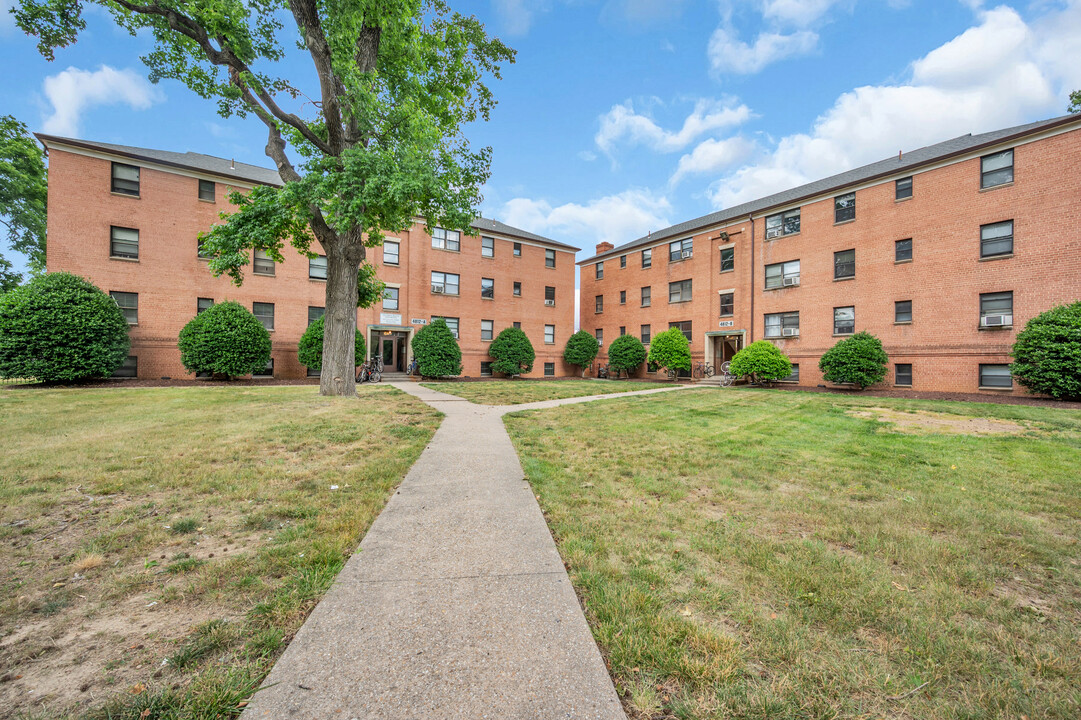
(791,281)
(685,254)
(438,289)
(996,320)
(790,332)
(549,302)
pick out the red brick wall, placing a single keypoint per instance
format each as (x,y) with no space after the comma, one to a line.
(169,277)
(944,280)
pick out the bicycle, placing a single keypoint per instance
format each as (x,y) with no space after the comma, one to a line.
(726,378)
(702,370)
(377,363)
(602,372)
(369,373)
(414,368)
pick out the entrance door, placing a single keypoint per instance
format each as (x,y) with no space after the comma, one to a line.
(725,348)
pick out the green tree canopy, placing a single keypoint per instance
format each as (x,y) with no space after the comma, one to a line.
(511,352)
(670,350)
(59,328)
(23,195)
(581,349)
(1075,102)
(1047,353)
(436,351)
(761,361)
(368,137)
(626,354)
(310,347)
(225,340)
(859,360)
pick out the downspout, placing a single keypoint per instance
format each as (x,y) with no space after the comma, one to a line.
(751,219)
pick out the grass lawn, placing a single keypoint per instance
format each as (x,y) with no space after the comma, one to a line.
(756,554)
(515,392)
(159,547)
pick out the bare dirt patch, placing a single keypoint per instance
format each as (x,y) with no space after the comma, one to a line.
(928,421)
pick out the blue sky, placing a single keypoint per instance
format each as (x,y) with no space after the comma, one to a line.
(625,116)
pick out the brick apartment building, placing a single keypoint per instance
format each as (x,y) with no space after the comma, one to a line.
(943,253)
(128,219)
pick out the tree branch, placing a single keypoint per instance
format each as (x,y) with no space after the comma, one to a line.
(227,58)
(307,17)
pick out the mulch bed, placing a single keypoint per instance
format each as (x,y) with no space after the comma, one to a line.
(922,395)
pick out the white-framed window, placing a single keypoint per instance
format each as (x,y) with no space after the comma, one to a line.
(647,334)
(902,311)
(995,376)
(647,296)
(549,369)
(517,249)
(517,289)
(599,269)
(487,247)
(390,252)
(443,239)
(600,336)
(902,374)
(902,250)
(203,304)
(728,304)
(550,258)
(647,258)
(598,306)
(680,249)
(486,329)
(549,334)
(487,288)
(317,267)
(902,188)
(782,274)
(314,313)
(844,264)
(486,368)
(786,223)
(390,298)
(207,190)
(784,324)
(125,179)
(996,309)
(445,283)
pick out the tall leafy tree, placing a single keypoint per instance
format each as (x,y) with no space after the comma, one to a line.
(377,140)
(1075,102)
(23,194)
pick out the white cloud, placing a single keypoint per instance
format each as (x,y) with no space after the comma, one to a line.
(727,53)
(517,16)
(796,12)
(713,155)
(73,91)
(623,123)
(999,73)
(615,218)
(587,155)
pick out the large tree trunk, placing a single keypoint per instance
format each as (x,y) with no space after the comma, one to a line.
(339,332)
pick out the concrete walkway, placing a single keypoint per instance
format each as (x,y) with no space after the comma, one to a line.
(457,604)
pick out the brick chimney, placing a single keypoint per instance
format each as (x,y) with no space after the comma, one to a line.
(604,247)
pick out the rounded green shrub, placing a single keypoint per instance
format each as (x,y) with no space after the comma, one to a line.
(581,349)
(436,351)
(670,350)
(761,361)
(225,340)
(310,348)
(60,328)
(1047,353)
(626,354)
(511,352)
(859,360)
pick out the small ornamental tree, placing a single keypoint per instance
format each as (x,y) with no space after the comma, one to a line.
(626,354)
(1047,353)
(225,340)
(670,350)
(60,328)
(436,351)
(859,360)
(581,350)
(511,352)
(762,362)
(310,349)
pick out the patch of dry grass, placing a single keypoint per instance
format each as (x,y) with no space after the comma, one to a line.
(754,554)
(159,547)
